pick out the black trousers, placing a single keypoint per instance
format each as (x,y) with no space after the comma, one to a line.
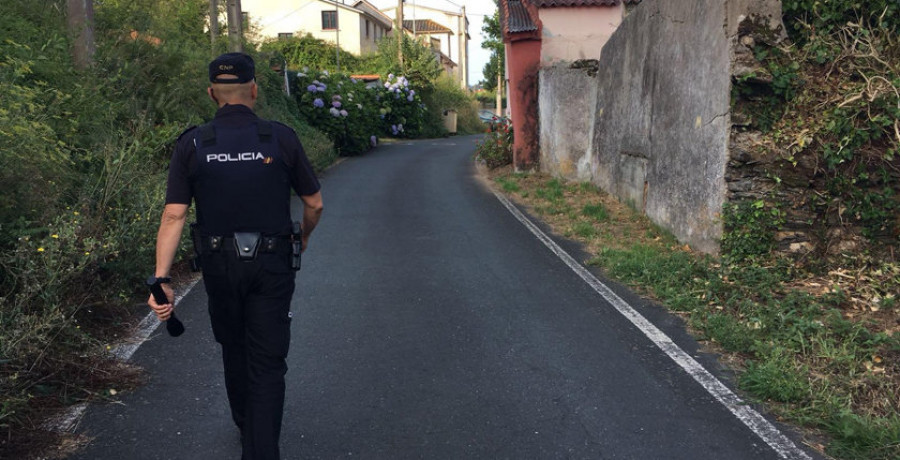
(249,307)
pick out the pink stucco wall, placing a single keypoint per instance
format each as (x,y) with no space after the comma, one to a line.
(573,33)
(523,58)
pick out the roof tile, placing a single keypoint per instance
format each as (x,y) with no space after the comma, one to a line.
(519,19)
(425,26)
(554,3)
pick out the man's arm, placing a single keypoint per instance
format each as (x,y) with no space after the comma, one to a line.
(167,239)
(312,211)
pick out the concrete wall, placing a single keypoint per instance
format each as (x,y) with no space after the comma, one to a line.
(575,33)
(661,122)
(662,130)
(567,105)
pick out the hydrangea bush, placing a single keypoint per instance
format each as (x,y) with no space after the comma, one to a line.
(354,115)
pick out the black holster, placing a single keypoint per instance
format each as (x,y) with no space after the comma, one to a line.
(296,245)
(195,241)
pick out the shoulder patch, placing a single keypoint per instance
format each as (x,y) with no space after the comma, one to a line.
(284,126)
(185,132)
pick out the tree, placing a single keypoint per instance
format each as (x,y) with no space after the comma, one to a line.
(493,41)
(80,19)
(235,27)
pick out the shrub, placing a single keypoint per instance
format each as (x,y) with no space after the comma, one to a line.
(83,156)
(354,115)
(496,148)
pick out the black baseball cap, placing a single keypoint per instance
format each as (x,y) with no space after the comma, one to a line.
(237,64)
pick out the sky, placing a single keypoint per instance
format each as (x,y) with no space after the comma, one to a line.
(476,10)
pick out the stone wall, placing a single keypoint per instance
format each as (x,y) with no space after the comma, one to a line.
(661,126)
(568,100)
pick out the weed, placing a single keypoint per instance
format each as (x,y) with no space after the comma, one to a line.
(864,437)
(508,185)
(597,212)
(584,230)
(778,377)
(750,229)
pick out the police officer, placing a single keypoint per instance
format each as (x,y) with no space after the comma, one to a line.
(239,169)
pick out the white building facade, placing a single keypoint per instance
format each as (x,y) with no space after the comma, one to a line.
(355,25)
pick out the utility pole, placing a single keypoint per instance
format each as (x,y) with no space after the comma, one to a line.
(80,19)
(499,87)
(337,34)
(464,51)
(213,24)
(235,27)
(400,32)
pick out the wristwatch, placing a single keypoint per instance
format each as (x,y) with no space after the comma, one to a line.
(158,280)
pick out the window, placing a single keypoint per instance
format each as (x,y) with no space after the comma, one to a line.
(329,20)
(367,28)
(285,35)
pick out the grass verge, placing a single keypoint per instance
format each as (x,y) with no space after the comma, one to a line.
(821,349)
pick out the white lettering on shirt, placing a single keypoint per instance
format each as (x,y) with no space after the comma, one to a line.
(227,157)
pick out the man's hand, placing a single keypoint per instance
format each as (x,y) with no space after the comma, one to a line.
(163,312)
(304,241)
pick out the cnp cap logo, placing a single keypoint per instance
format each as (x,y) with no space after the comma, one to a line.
(234,65)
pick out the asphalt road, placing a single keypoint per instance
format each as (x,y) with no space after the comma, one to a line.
(429,323)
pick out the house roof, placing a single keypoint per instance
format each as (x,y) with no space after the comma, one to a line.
(375,13)
(555,3)
(425,26)
(518,19)
(445,59)
(426,7)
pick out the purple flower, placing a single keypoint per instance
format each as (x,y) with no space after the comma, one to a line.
(353,80)
(336,97)
(322,87)
(318,103)
(344,113)
(335,112)
(412,92)
(409,98)
(394,129)
(336,104)
(312,88)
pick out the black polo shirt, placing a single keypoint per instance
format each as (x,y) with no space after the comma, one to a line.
(184,164)
(243,189)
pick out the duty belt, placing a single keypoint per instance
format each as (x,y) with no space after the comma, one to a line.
(266,244)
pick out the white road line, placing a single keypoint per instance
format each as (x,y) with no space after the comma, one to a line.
(68,421)
(756,422)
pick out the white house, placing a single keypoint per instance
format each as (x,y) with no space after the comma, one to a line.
(354,24)
(447,29)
